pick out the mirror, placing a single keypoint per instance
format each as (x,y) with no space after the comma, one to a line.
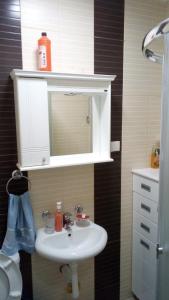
(70,123)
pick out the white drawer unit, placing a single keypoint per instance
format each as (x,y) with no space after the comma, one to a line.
(146,187)
(145,230)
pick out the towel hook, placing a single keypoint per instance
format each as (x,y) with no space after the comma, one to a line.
(17,174)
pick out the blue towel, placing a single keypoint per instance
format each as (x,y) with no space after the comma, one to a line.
(20,233)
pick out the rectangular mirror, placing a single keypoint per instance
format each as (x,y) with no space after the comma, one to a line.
(70,123)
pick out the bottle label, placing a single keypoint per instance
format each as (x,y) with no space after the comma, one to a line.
(42,57)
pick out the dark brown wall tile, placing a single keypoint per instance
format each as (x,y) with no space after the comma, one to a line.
(108,53)
(10,57)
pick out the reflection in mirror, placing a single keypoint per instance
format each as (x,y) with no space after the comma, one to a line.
(70,124)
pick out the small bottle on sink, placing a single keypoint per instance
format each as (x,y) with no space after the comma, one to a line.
(58,217)
(155,156)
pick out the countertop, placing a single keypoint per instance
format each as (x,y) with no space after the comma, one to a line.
(149,173)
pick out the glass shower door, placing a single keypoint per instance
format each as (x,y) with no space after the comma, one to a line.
(163,222)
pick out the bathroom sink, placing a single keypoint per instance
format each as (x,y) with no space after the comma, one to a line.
(67,247)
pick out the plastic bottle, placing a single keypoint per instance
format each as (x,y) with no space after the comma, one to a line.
(58,217)
(44,53)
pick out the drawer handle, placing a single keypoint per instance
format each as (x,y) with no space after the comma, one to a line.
(143,243)
(146,187)
(145,227)
(145,207)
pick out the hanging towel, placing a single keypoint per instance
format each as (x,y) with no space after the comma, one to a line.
(21,232)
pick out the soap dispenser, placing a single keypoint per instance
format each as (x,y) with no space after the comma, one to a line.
(58,217)
(155,155)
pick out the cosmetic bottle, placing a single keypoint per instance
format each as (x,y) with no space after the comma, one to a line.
(58,217)
(155,156)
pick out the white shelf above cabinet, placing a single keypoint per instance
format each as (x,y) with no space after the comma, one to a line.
(32,89)
(68,161)
(60,76)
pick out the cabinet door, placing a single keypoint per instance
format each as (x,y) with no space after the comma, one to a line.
(144,268)
(32,121)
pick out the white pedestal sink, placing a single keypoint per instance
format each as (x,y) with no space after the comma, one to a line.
(72,247)
(65,247)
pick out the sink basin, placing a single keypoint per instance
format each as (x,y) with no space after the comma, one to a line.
(65,247)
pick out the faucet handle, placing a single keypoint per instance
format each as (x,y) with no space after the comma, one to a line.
(45,214)
(78,209)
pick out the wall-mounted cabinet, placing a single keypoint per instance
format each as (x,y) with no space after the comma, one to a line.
(62,119)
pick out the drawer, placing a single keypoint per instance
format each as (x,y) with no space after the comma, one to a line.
(145,227)
(145,207)
(144,248)
(140,273)
(146,187)
(144,268)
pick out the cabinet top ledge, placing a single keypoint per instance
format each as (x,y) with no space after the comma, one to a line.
(148,173)
(52,75)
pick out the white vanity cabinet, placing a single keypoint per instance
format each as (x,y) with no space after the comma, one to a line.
(145,229)
(39,96)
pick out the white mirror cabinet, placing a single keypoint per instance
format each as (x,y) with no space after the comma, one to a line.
(32,90)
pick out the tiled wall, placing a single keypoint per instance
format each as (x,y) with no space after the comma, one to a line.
(71,185)
(141,113)
(109,26)
(70,26)
(10,57)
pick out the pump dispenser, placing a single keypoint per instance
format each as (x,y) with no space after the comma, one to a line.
(58,217)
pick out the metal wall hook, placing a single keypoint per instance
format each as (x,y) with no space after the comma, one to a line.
(16,174)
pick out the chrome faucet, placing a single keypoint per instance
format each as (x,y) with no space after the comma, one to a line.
(68,221)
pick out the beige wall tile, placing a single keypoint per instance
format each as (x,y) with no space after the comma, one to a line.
(70,26)
(141,114)
(72,186)
(50,284)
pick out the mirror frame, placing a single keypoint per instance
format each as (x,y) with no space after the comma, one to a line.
(31,105)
